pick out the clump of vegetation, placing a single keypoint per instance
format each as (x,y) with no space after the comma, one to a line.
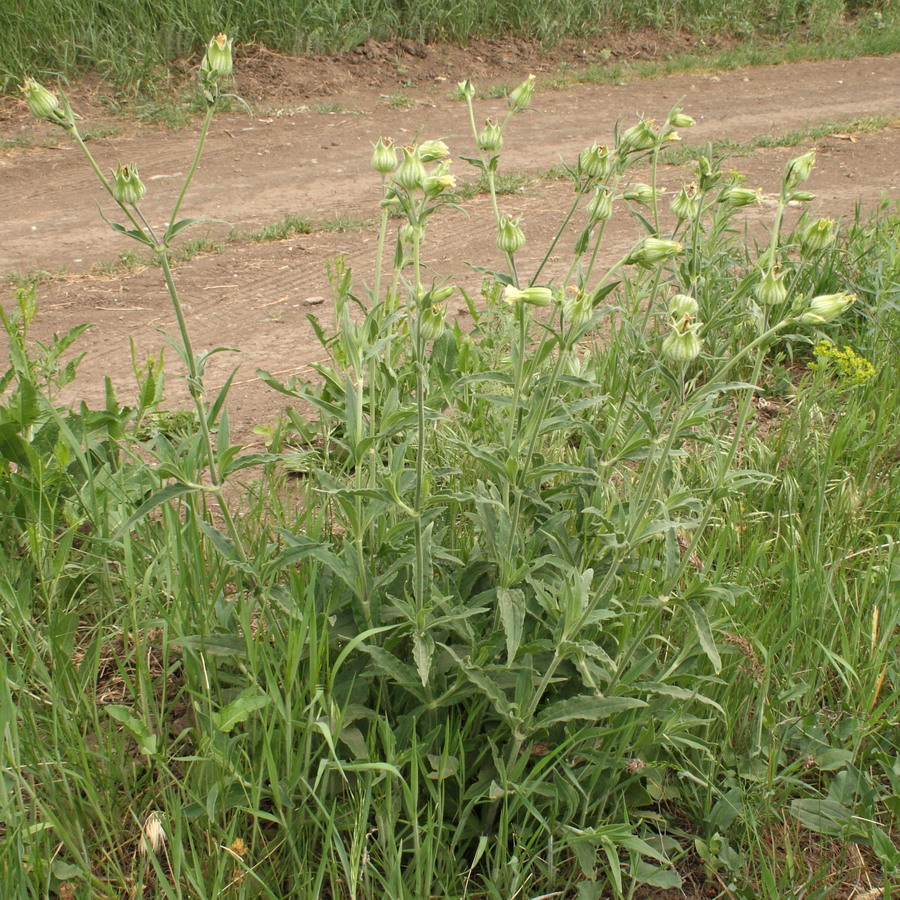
(553,609)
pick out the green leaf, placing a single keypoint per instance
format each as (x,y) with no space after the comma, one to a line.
(585,707)
(146,741)
(177,227)
(654,876)
(705,635)
(240,709)
(169,492)
(822,816)
(512,617)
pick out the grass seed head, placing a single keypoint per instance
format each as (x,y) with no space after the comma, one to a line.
(154,835)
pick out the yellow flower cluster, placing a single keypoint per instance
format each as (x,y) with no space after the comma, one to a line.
(849,364)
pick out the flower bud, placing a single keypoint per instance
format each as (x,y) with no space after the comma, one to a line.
(771,289)
(41,102)
(682,346)
(798,169)
(683,306)
(510,238)
(686,204)
(816,236)
(639,137)
(533,296)
(465,90)
(578,309)
(438,295)
(826,307)
(217,60)
(491,138)
(520,97)
(431,151)
(706,174)
(802,196)
(600,207)
(595,161)
(431,322)
(384,157)
(653,251)
(410,174)
(127,185)
(736,196)
(439,180)
(642,193)
(678,119)
(410,233)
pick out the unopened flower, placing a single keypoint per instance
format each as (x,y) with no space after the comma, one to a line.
(683,344)
(533,296)
(678,119)
(431,322)
(430,151)
(639,137)
(217,60)
(737,196)
(410,174)
(826,307)
(642,193)
(491,137)
(802,196)
(510,238)
(816,236)
(771,289)
(520,97)
(686,203)
(384,157)
(653,251)
(706,174)
(127,185)
(595,161)
(578,308)
(42,103)
(798,169)
(683,306)
(600,207)
(410,233)
(465,90)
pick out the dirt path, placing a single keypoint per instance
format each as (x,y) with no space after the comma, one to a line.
(256,296)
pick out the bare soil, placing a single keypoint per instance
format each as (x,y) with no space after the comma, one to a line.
(308,154)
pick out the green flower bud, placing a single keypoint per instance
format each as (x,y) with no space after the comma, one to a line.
(533,296)
(410,233)
(683,306)
(826,307)
(510,238)
(639,137)
(736,196)
(682,346)
(440,294)
(771,289)
(642,193)
(491,138)
(431,322)
(431,151)
(678,119)
(595,161)
(384,157)
(802,196)
(520,97)
(217,61)
(600,207)
(41,102)
(465,90)
(816,236)
(652,252)
(686,204)
(706,174)
(439,180)
(798,169)
(578,309)
(411,173)
(127,185)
